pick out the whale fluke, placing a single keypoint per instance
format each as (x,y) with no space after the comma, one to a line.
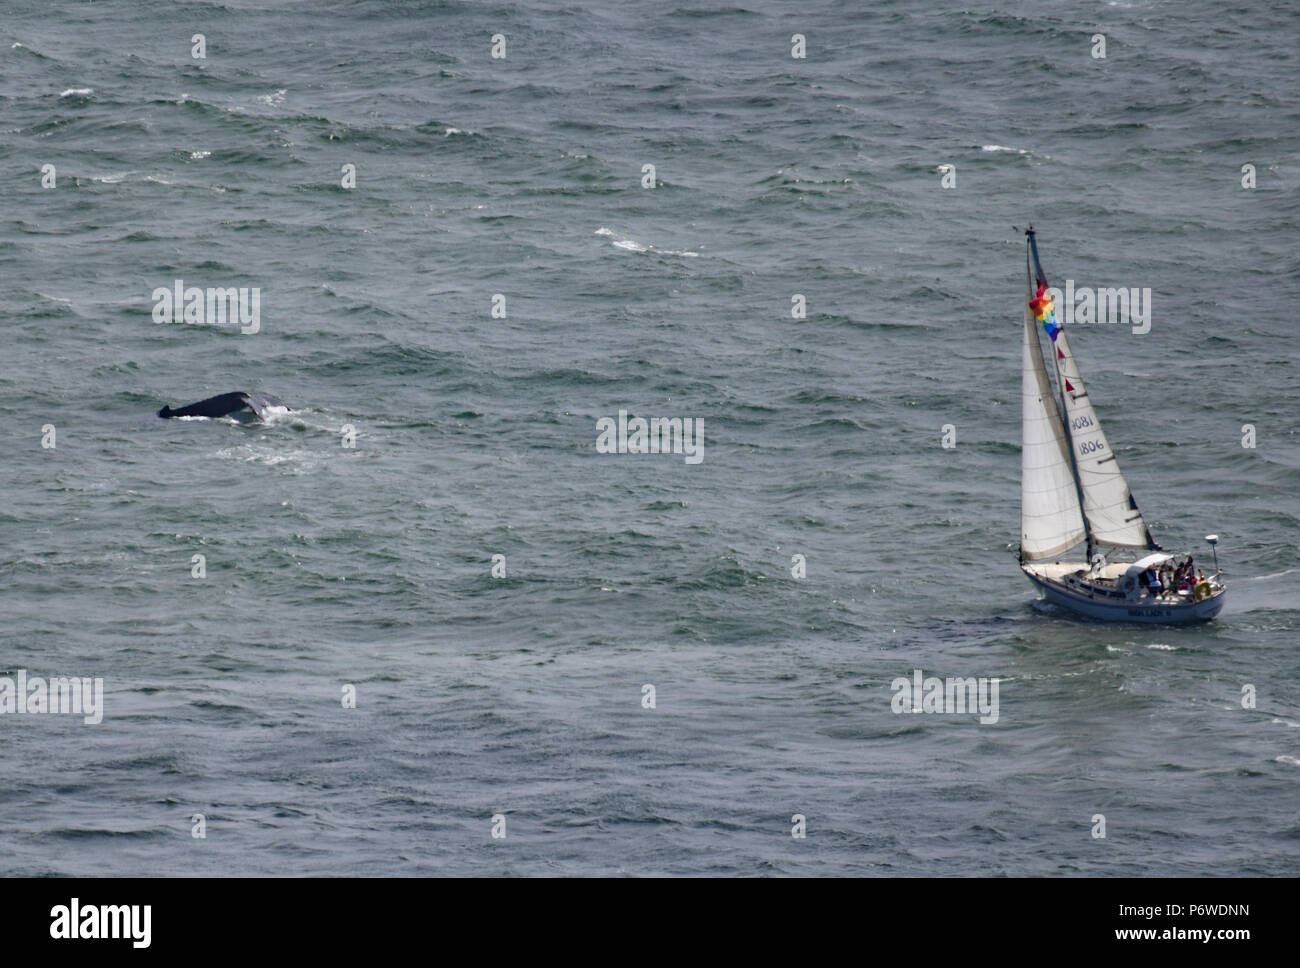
(226,403)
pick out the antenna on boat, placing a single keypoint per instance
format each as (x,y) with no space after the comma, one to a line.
(1213,539)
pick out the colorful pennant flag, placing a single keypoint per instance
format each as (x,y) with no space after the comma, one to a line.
(1044,311)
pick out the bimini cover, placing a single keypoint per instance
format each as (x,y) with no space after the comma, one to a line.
(1150,561)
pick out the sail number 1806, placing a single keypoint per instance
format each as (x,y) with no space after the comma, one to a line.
(1091,447)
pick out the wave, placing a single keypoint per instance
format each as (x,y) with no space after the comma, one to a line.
(632,245)
(1277,574)
(16,45)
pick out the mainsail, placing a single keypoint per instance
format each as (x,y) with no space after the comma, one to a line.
(1050,520)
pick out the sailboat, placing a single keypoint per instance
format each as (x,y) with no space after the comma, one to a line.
(1073,494)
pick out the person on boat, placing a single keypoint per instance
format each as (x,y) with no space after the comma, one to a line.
(1153,582)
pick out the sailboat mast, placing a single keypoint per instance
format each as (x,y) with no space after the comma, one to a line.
(1036,274)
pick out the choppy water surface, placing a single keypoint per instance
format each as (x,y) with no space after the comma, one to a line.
(371,566)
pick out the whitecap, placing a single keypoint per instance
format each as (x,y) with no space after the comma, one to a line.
(632,245)
(77,92)
(197,155)
(1278,574)
(297,461)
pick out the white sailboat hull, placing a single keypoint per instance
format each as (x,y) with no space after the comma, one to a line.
(1164,611)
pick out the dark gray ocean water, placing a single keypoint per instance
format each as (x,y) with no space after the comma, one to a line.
(371,566)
